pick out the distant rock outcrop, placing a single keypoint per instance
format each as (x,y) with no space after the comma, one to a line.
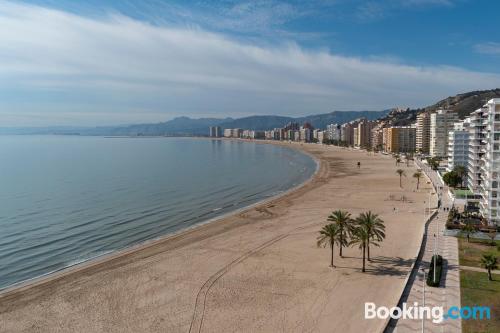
(463,104)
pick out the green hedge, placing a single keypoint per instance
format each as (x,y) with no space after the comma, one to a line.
(439,269)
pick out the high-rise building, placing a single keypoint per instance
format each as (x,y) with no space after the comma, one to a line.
(347,132)
(490,168)
(306,132)
(378,137)
(333,132)
(364,133)
(228,132)
(441,123)
(476,142)
(215,132)
(458,145)
(321,136)
(423,138)
(399,139)
(484,159)
(236,132)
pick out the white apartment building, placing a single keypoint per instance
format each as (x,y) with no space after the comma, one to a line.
(306,135)
(333,132)
(441,123)
(228,132)
(484,158)
(488,204)
(458,145)
(321,136)
(476,150)
(215,132)
(234,133)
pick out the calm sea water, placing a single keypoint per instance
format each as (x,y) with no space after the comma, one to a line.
(66,199)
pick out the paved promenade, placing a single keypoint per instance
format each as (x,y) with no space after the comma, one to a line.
(448,294)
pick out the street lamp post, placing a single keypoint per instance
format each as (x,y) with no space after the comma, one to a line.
(435,259)
(423,300)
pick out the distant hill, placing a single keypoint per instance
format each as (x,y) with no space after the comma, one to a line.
(184,126)
(340,117)
(318,121)
(463,104)
(181,126)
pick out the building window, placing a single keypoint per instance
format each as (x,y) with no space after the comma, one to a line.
(494,184)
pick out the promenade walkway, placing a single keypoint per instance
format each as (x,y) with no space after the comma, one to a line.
(448,293)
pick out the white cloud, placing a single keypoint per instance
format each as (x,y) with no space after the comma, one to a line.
(52,60)
(488,48)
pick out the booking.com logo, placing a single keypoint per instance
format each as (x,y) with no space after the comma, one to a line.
(436,313)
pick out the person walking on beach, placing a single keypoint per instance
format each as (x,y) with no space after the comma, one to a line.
(359,165)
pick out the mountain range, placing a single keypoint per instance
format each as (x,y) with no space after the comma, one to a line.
(185,126)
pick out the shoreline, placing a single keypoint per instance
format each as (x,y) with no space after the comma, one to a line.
(116,254)
(259,270)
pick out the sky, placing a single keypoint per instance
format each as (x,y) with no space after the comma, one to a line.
(110,62)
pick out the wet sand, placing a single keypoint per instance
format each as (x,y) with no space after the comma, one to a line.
(258,270)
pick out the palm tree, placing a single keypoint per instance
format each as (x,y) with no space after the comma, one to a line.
(418,175)
(328,236)
(468,229)
(374,227)
(401,173)
(344,222)
(361,237)
(489,261)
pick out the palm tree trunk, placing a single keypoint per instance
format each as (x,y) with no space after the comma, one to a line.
(489,274)
(467,238)
(331,261)
(368,249)
(418,182)
(341,242)
(400,181)
(364,247)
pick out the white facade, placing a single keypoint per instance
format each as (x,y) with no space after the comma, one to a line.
(458,145)
(441,123)
(476,152)
(333,132)
(321,136)
(484,159)
(234,133)
(215,132)
(488,189)
(228,133)
(306,135)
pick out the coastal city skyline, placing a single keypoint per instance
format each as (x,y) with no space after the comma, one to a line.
(471,144)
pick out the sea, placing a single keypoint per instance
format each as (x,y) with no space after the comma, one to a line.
(68,199)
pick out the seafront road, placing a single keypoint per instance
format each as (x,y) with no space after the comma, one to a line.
(448,293)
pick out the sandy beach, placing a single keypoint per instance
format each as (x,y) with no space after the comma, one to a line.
(258,270)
